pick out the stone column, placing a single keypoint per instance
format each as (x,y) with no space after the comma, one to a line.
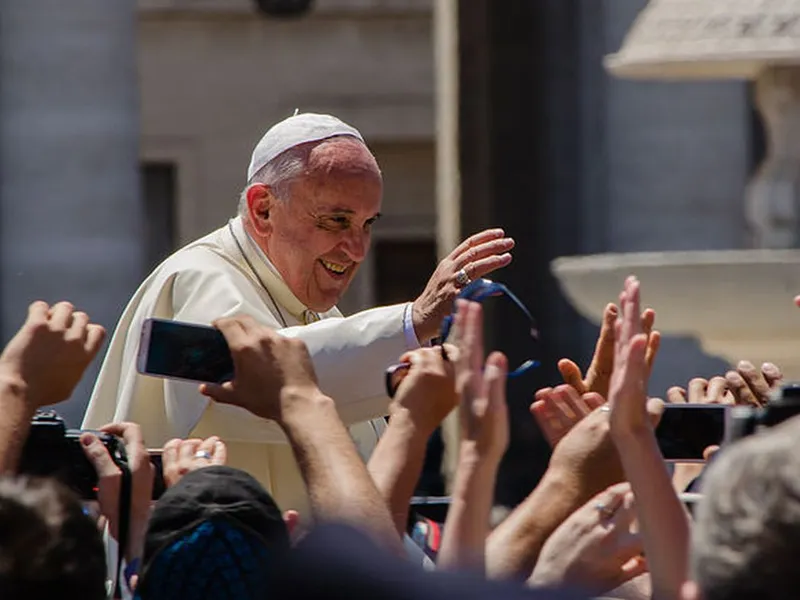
(448,181)
(70,216)
(773,196)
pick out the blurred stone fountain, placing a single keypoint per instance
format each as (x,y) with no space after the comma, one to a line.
(737,303)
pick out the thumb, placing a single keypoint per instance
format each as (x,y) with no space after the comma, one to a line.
(571,374)
(97,454)
(709,452)
(655,408)
(221,393)
(291,518)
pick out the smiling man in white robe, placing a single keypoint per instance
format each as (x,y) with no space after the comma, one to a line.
(305,216)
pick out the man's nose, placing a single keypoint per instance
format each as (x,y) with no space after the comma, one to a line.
(356,245)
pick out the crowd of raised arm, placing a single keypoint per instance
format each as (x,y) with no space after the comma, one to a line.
(608,517)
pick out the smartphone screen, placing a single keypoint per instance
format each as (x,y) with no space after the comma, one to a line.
(184,351)
(686,430)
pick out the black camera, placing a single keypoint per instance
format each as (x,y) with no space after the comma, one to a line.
(52,450)
(783,404)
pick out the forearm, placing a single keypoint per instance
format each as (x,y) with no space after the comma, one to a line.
(662,519)
(467,526)
(514,545)
(339,487)
(396,464)
(15,419)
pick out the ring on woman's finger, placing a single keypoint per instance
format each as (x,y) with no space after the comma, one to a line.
(605,511)
(202,454)
(462,278)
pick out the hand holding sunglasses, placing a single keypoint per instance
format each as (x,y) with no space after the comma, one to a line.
(477,291)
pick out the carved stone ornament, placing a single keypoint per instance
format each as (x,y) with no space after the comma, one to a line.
(709,39)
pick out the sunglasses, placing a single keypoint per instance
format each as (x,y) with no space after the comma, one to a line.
(476,291)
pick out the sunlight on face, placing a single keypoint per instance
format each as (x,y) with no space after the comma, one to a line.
(321,234)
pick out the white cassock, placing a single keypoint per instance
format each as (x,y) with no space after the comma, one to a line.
(225,274)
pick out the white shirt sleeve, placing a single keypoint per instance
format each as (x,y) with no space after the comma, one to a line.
(412,342)
(350,356)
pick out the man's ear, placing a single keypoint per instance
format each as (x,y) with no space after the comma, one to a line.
(260,200)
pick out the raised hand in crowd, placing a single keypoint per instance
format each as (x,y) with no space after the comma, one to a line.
(558,409)
(595,549)
(752,386)
(598,374)
(180,457)
(483,418)
(109,486)
(662,520)
(745,385)
(41,365)
(584,462)
(702,391)
(275,379)
(478,255)
(274,374)
(423,399)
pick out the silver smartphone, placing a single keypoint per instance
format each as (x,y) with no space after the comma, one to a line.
(686,430)
(186,351)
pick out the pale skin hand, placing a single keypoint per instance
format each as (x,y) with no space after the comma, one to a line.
(427,394)
(484,438)
(751,386)
(179,457)
(276,380)
(558,410)
(424,398)
(481,387)
(663,523)
(745,385)
(41,365)
(478,255)
(269,369)
(59,342)
(110,481)
(584,462)
(599,372)
(592,551)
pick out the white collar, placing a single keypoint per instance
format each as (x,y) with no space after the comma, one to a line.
(267,273)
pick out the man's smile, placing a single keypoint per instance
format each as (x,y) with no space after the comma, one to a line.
(334,269)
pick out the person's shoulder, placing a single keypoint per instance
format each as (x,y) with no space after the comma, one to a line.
(199,255)
(202,259)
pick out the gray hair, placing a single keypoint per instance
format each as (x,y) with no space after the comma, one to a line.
(746,536)
(279,173)
(284,169)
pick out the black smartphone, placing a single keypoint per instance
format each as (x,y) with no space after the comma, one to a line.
(184,351)
(686,430)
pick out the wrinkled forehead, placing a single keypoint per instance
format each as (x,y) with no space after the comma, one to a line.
(347,191)
(342,156)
